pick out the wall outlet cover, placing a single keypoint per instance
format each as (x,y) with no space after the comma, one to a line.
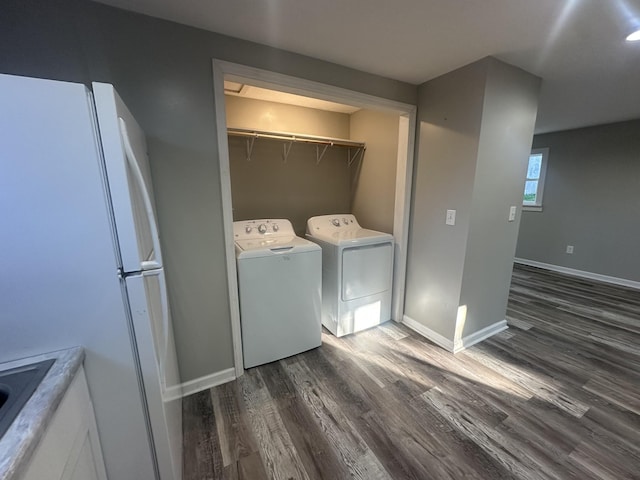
(451,217)
(512,213)
(570,249)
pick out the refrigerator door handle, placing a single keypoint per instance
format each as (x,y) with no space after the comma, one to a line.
(148,207)
(164,305)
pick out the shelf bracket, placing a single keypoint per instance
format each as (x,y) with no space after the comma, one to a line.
(359,150)
(320,155)
(286,149)
(250,147)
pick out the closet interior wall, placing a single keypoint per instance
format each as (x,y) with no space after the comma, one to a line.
(264,185)
(373,195)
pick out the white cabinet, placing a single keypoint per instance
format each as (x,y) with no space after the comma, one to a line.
(70,447)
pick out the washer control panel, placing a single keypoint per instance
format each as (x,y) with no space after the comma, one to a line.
(328,224)
(248,229)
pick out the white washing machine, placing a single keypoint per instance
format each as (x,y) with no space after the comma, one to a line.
(357,273)
(279,282)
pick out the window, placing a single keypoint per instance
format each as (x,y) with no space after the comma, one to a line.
(534,183)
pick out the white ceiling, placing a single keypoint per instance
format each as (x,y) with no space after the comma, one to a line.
(590,74)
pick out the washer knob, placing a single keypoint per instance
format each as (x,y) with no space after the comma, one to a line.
(345,221)
(247,229)
(262,228)
(275,227)
(336,222)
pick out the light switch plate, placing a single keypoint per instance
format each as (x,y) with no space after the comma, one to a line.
(451,217)
(512,213)
(570,249)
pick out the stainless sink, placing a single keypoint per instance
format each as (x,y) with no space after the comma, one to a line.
(4,395)
(16,387)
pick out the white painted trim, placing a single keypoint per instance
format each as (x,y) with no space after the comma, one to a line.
(460,345)
(429,334)
(299,86)
(480,335)
(172,393)
(227,216)
(580,273)
(402,208)
(208,381)
(531,208)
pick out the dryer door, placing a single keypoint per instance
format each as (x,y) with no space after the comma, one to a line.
(366,270)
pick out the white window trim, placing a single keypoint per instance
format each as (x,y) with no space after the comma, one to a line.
(537,206)
(531,208)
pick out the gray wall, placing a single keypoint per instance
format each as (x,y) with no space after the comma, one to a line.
(375,189)
(508,119)
(163,72)
(591,201)
(475,131)
(268,187)
(449,119)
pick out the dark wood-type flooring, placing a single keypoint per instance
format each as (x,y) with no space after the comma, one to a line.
(557,395)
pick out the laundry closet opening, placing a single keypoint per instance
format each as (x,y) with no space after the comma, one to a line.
(337,158)
(294,149)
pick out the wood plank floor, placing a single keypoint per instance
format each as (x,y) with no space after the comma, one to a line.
(555,396)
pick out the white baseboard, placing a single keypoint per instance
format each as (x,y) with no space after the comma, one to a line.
(449,345)
(429,334)
(580,273)
(480,335)
(208,381)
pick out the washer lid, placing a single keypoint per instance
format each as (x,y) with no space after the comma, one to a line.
(273,245)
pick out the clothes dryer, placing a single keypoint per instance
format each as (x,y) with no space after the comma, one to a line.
(279,282)
(357,273)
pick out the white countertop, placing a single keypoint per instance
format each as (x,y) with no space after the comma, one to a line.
(21,439)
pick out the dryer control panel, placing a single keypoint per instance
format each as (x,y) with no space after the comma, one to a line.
(328,224)
(248,229)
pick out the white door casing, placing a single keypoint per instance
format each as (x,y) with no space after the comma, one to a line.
(404,171)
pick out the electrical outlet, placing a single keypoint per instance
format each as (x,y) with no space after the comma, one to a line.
(570,249)
(451,217)
(512,213)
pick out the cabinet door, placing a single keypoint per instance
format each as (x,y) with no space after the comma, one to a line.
(85,467)
(70,447)
(85,460)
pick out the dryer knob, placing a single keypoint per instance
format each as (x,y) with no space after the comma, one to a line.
(262,228)
(248,229)
(275,227)
(345,221)
(336,222)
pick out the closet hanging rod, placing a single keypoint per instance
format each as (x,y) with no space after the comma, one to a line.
(294,137)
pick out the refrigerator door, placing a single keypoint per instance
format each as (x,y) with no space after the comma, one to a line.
(152,326)
(58,287)
(129,178)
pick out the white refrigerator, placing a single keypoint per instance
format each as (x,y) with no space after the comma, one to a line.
(82,264)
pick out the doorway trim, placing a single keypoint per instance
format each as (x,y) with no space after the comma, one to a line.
(309,88)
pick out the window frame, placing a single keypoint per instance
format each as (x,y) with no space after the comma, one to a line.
(537,206)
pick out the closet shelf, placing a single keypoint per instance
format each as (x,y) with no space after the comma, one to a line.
(291,138)
(295,137)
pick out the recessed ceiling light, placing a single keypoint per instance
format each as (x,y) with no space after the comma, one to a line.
(634,37)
